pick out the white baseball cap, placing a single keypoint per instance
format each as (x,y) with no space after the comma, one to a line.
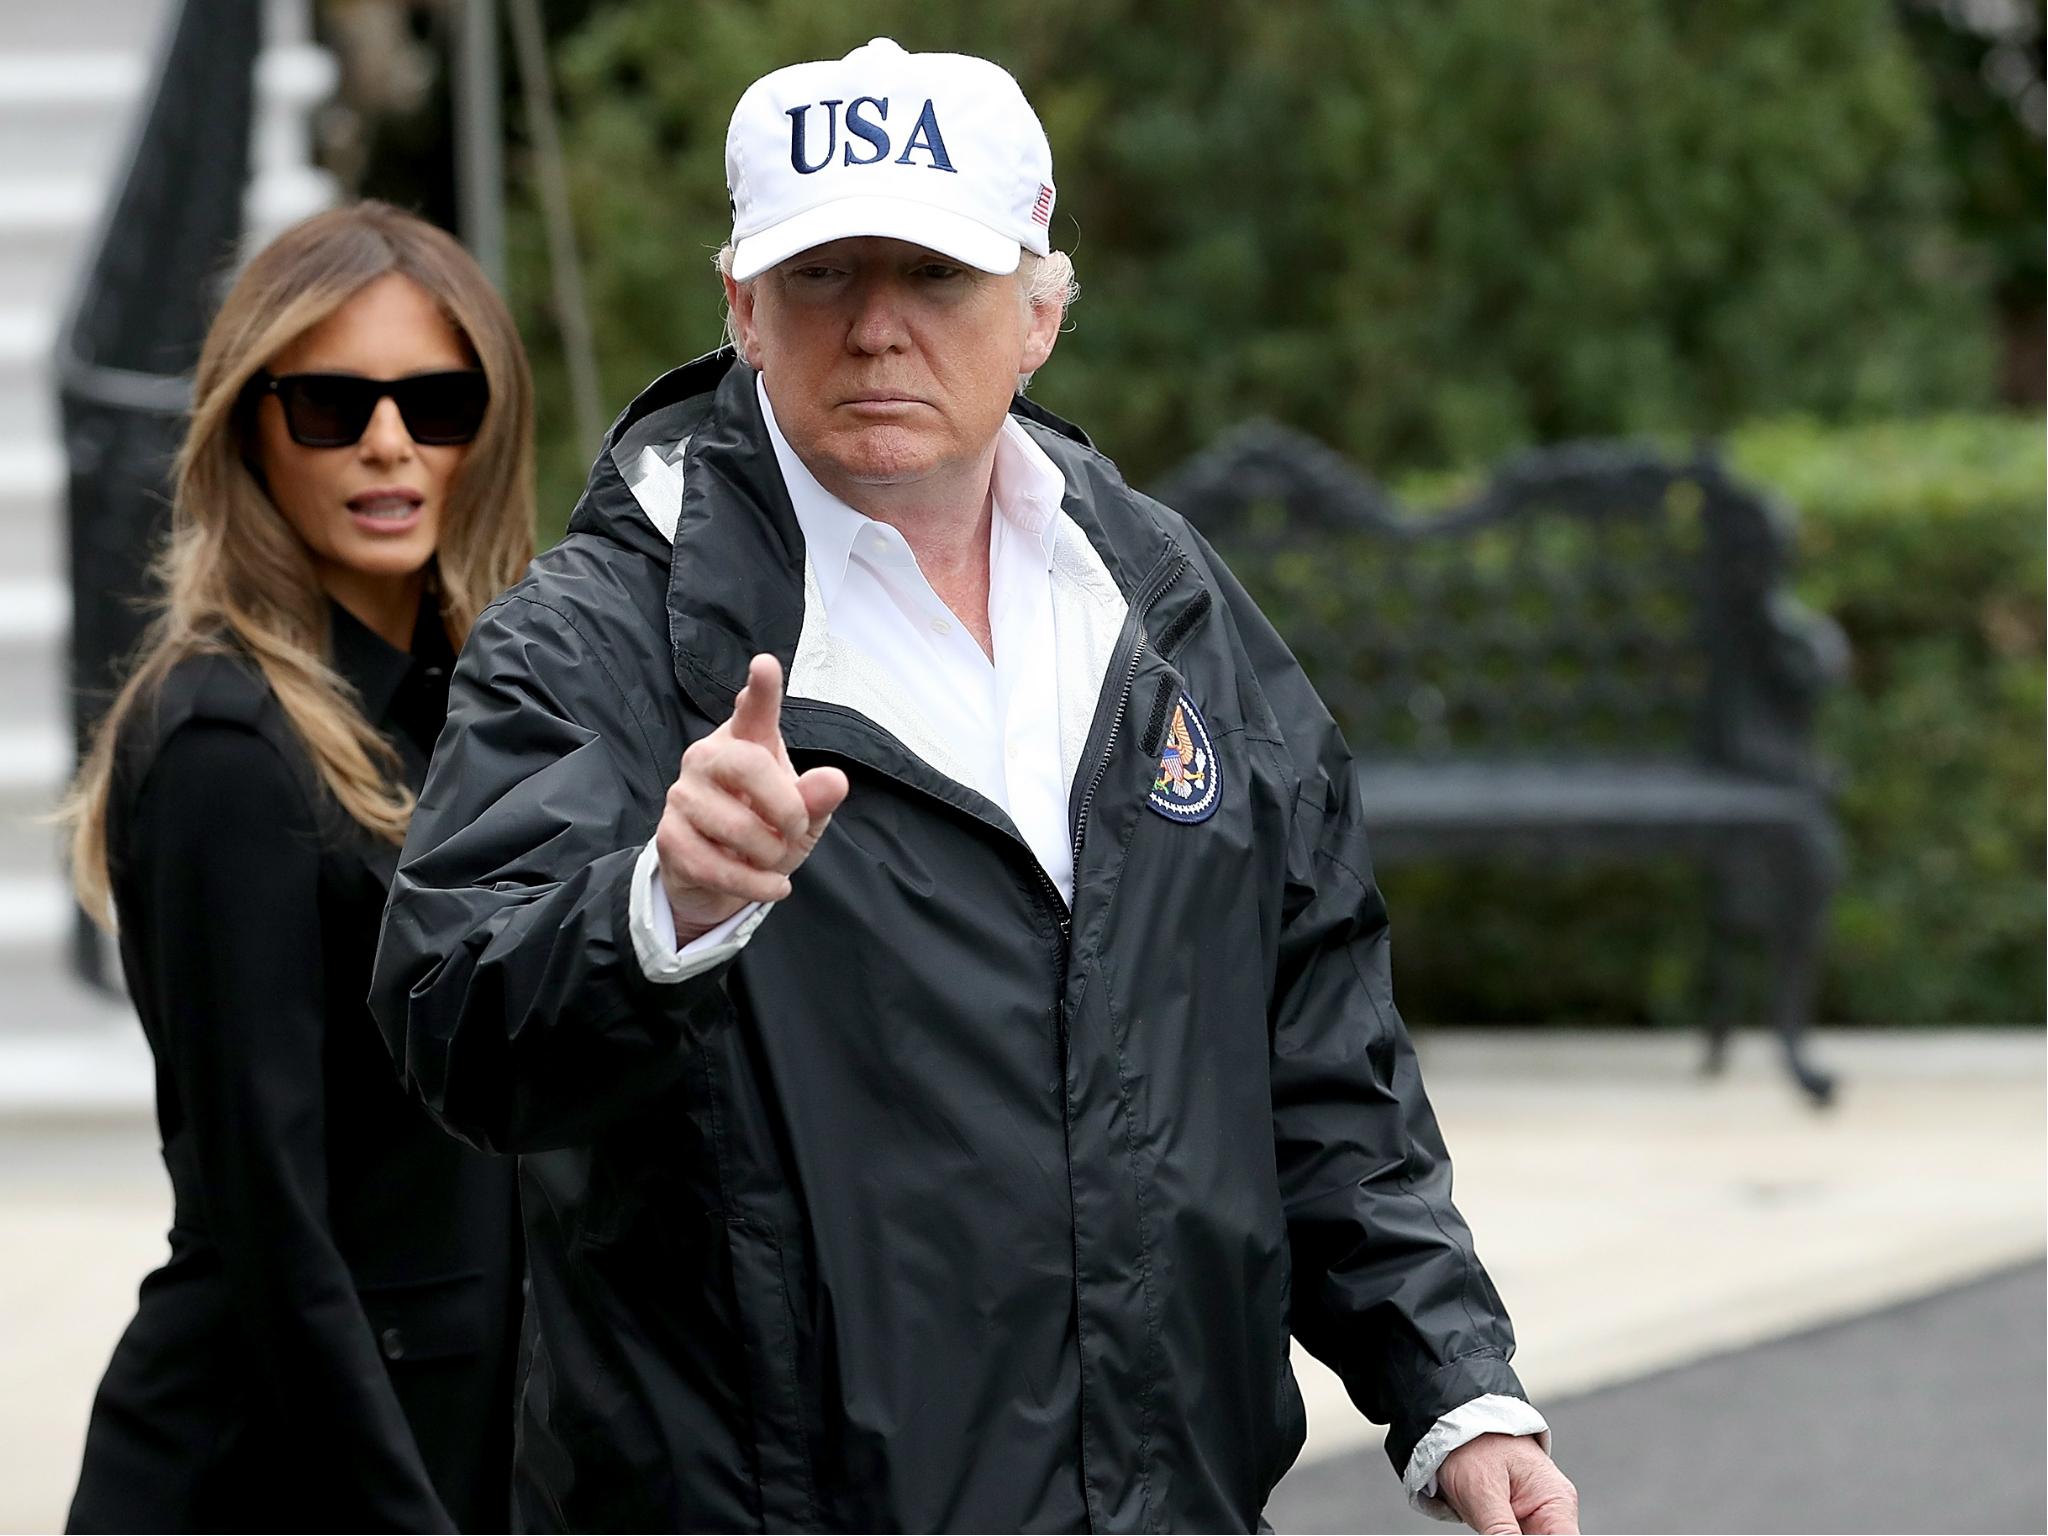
(940,149)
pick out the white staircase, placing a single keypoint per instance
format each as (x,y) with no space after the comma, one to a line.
(73,77)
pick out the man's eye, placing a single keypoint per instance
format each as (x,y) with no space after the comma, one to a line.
(940,271)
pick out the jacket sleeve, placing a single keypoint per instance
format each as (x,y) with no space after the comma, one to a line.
(506,981)
(1388,1290)
(223,852)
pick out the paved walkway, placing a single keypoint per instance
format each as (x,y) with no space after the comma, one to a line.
(1636,1218)
(1929,1416)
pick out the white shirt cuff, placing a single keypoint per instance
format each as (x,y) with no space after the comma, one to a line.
(1494,1414)
(653,926)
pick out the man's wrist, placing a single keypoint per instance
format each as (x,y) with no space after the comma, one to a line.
(683,932)
(1494,1414)
(663,956)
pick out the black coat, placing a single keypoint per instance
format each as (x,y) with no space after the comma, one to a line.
(331,1345)
(939,1207)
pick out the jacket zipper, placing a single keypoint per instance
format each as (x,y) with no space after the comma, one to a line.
(1147,596)
(1062,911)
(1167,573)
(1153,590)
(1054,900)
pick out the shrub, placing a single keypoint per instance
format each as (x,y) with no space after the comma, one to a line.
(1427,230)
(1925,542)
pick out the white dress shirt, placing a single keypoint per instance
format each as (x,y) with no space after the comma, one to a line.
(996,715)
(877,637)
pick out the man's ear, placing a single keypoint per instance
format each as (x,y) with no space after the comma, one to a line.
(739,298)
(1040,334)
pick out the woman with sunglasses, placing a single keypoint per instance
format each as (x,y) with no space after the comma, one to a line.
(331,1343)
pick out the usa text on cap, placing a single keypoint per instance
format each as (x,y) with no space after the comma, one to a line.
(939,149)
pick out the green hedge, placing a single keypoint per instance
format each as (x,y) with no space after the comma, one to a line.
(1924,541)
(1429,230)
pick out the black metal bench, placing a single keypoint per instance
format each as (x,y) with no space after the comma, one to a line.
(1594,657)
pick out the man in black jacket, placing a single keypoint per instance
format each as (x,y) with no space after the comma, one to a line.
(941,1090)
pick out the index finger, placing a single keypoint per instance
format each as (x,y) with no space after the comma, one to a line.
(757,711)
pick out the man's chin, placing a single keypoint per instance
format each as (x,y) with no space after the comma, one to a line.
(881,455)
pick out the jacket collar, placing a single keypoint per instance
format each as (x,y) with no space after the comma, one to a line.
(736,561)
(736,568)
(1027,492)
(369,662)
(407,689)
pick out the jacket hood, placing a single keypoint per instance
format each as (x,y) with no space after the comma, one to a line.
(675,405)
(693,448)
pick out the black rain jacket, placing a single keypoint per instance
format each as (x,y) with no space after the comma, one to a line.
(939,1206)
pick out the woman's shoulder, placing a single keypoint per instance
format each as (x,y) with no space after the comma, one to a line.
(220,684)
(217,705)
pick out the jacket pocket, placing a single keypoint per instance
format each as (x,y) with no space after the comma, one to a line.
(427,1319)
(782,1456)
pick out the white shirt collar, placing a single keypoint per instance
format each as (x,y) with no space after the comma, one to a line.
(1028,488)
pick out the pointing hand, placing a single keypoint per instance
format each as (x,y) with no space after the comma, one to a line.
(739,819)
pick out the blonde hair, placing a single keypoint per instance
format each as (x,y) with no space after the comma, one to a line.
(234,575)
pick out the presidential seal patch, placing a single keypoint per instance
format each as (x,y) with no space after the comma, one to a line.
(1189,784)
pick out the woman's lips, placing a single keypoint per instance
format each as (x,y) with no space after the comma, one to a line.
(386,509)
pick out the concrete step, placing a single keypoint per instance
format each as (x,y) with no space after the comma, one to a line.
(45,222)
(28,393)
(38,26)
(68,114)
(66,1047)
(35,620)
(47,215)
(35,765)
(32,611)
(90,1073)
(31,848)
(35,917)
(32,528)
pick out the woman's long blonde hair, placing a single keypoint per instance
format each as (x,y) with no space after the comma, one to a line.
(235,575)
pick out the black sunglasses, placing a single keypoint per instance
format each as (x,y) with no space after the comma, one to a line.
(331,410)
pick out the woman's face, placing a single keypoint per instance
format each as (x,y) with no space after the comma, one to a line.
(371,512)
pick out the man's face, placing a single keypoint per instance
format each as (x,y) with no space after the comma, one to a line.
(890,365)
